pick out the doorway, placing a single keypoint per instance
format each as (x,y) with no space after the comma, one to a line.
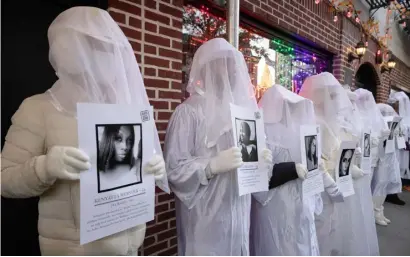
(26,71)
(367,78)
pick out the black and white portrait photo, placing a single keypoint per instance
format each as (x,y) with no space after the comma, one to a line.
(311,152)
(392,126)
(366,144)
(344,163)
(246,133)
(119,148)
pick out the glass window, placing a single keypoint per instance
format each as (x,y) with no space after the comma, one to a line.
(270,61)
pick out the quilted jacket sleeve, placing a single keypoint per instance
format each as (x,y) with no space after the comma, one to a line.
(23,152)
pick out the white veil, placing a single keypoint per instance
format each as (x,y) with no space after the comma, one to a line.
(369,111)
(287,112)
(356,118)
(93,60)
(332,108)
(404,106)
(220,75)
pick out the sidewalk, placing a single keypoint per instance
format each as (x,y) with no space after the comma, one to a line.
(394,240)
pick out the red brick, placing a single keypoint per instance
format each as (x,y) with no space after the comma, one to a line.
(139,58)
(170,32)
(172,223)
(170,10)
(155,248)
(176,85)
(170,95)
(158,40)
(150,71)
(176,24)
(118,17)
(161,126)
(165,197)
(150,49)
(151,27)
(133,22)
(131,33)
(135,46)
(164,115)
(135,10)
(157,17)
(161,136)
(151,4)
(176,65)
(161,208)
(178,3)
(176,45)
(164,105)
(166,215)
(169,74)
(173,241)
(169,252)
(169,53)
(136,1)
(150,92)
(156,61)
(167,234)
(159,83)
(149,241)
(174,105)
(172,205)
(155,229)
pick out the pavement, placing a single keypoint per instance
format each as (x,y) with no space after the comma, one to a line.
(394,239)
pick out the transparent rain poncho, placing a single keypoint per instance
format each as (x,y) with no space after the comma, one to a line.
(212,219)
(404,112)
(386,178)
(333,110)
(94,63)
(282,222)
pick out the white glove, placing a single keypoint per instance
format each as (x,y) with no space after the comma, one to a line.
(356,172)
(62,162)
(268,160)
(156,166)
(301,170)
(374,142)
(226,161)
(358,154)
(332,189)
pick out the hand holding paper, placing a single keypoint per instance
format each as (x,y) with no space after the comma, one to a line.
(225,161)
(62,162)
(301,170)
(156,166)
(356,172)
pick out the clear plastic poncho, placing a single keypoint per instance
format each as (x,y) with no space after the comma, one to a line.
(282,222)
(333,110)
(94,63)
(212,219)
(404,112)
(386,177)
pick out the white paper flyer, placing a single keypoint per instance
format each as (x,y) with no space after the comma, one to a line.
(115,194)
(343,176)
(310,153)
(393,123)
(249,136)
(366,160)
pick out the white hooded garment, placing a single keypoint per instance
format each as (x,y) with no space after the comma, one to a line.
(404,112)
(212,219)
(386,178)
(282,222)
(333,111)
(94,63)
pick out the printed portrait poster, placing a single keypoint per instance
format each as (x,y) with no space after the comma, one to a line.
(249,136)
(366,160)
(310,151)
(115,194)
(393,123)
(343,176)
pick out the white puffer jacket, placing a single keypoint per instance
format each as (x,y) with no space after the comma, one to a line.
(36,127)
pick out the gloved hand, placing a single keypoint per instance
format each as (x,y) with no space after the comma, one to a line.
(356,172)
(374,142)
(226,161)
(332,189)
(301,170)
(268,160)
(62,162)
(156,166)
(358,154)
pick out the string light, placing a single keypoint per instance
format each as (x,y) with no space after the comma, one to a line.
(317,1)
(335,18)
(357,19)
(349,14)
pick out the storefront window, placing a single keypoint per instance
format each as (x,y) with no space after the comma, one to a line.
(270,61)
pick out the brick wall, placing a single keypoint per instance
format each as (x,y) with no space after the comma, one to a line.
(154,29)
